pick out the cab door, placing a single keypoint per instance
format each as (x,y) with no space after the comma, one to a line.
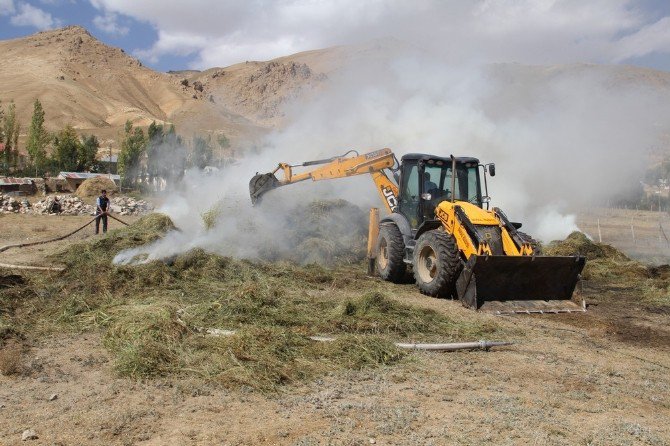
(409,193)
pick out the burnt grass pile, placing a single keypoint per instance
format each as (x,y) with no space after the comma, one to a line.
(228,321)
(608,268)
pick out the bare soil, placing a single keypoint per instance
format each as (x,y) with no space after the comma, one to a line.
(600,378)
(26,228)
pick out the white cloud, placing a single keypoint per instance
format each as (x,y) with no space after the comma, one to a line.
(29,15)
(530,31)
(6,7)
(655,37)
(109,24)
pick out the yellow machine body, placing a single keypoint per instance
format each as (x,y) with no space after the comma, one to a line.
(492,266)
(446,213)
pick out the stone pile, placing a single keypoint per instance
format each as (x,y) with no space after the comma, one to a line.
(9,204)
(72,205)
(69,204)
(130,206)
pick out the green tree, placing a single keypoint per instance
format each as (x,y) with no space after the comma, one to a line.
(155,147)
(202,152)
(38,138)
(66,149)
(5,161)
(2,115)
(10,130)
(132,149)
(174,156)
(15,146)
(223,141)
(88,151)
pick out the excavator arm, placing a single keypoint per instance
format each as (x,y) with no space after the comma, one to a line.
(373,163)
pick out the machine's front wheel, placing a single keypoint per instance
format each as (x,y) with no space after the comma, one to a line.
(436,264)
(390,254)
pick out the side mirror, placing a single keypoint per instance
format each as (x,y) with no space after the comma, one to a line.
(492,169)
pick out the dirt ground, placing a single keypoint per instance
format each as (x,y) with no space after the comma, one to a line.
(600,378)
(26,228)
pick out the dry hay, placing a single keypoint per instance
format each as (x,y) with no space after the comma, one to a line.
(612,269)
(324,232)
(153,315)
(578,243)
(92,187)
(328,232)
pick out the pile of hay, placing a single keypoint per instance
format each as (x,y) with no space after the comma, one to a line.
(93,186)
(328,232)
(155,317)
(602,261)
(324,232)
(578,243)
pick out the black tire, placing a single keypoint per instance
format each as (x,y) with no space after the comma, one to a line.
(437,264)
(390,254)
(537,247)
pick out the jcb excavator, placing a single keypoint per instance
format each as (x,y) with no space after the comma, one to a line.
(439,223)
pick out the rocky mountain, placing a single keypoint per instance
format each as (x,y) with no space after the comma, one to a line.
(96,88)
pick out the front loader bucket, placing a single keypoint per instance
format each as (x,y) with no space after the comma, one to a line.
(260,184)
(520,284)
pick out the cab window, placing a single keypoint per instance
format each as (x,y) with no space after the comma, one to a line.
(409,195)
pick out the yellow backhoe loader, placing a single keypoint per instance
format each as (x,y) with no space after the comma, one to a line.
(440,225)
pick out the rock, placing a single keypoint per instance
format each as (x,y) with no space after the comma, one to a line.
(54,396)
(29,434)
(373,441)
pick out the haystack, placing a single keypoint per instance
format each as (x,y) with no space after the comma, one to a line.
(578,243)
(604,262)
(93,186)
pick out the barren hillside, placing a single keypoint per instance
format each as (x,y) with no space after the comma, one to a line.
(96,88)
(83,82)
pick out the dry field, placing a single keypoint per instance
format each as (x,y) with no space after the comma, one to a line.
(600,378)
(635,232)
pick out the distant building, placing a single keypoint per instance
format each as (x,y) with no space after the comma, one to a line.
(17,185)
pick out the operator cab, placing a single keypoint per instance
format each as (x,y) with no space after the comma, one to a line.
(426,181)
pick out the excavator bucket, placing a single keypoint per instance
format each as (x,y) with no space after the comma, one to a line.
(520,284)
(260,184)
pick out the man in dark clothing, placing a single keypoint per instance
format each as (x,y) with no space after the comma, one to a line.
(102,206)
(55,207)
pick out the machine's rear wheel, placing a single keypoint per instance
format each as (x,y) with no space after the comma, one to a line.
(436,264)
(390,253)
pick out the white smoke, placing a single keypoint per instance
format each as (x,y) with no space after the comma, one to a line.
(563,138)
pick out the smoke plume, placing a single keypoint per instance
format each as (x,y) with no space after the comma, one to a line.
(563,138)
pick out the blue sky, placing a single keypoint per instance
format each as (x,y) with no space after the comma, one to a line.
(174,34)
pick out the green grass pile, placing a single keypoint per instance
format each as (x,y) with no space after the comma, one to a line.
(609,268)
(603,262)
(325,232)
(157,318)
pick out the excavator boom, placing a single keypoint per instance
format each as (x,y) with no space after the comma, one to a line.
(373,163)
